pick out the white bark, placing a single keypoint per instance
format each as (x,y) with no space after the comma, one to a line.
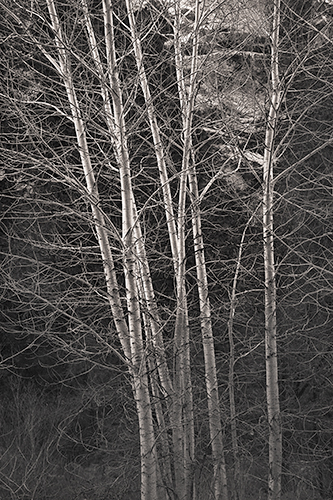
(101,230)
(157,140)
(182,340)
(147,294)
(131,334)
(182,413)
(214,412)
(188,170)
(140,377)
(272,386)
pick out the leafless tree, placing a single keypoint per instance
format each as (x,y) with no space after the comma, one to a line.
(157,192)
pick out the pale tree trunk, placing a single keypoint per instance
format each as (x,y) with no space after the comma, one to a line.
(147,291)
(272,386)
(214,412)
(161,389)
(157,140)
(164,459)
(182,340)
(110,276)
(140,377)
(153,327)
(182,442)
(182,411)
(187,97)
(131,335)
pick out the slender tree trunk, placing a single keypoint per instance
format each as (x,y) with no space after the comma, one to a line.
(214,412)
(157,139)
(164,459)
(182,413)
(147,287)
(110,276)
(161,389)
(140,378)
(187,98)
(131,335)
(272,386)
(182,340)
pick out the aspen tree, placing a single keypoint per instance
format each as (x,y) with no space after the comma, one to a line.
(132,341)
(187,98)
(182,411)
(272,385)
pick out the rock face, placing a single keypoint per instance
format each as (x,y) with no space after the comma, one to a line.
(233,51)
(233,67)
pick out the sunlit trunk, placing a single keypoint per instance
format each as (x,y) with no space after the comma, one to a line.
(92,191)
(272,386)
(131,334)
(140,377)
(147,288)
(187,97)
(182,410)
